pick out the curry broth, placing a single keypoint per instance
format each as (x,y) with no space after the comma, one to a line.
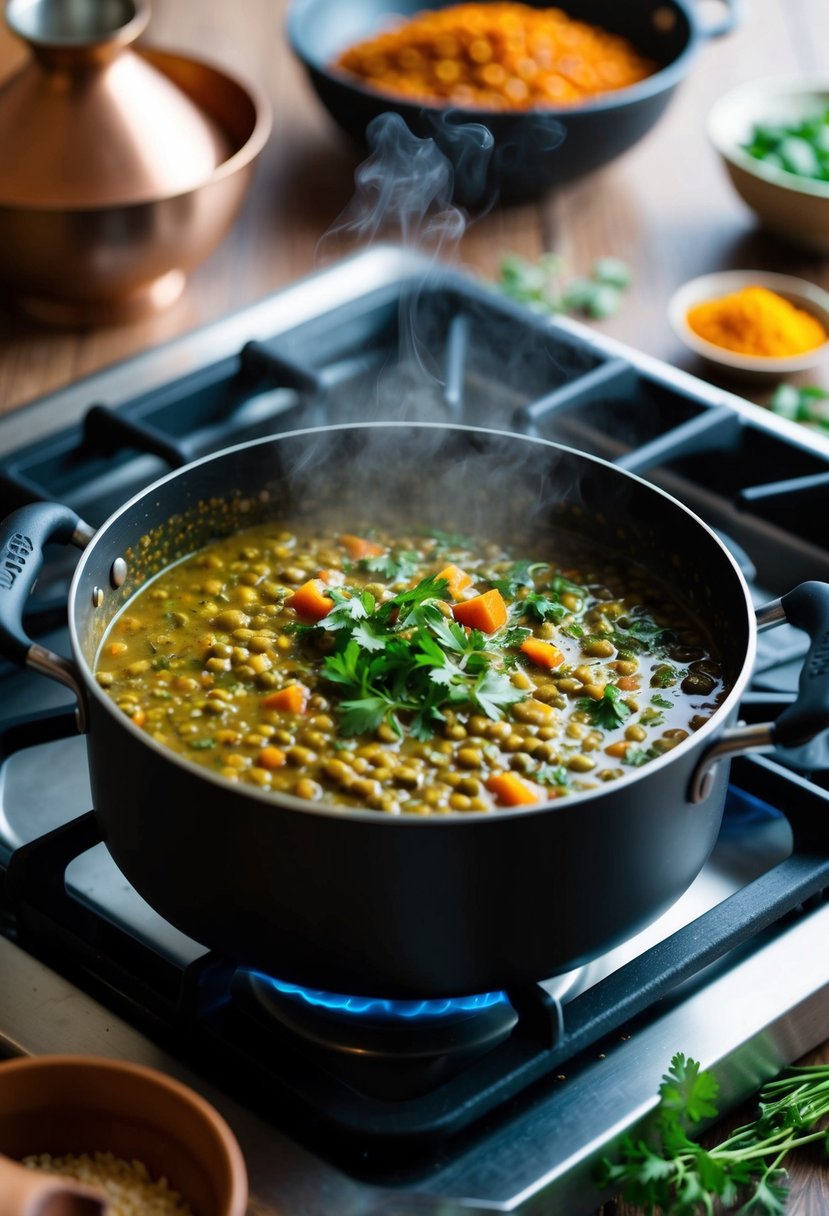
(422,673)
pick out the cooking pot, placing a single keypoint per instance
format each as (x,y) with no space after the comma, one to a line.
(510,154)
(357,901)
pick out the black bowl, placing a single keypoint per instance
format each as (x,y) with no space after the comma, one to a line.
(530,150)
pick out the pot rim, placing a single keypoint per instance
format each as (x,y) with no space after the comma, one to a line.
(327,810)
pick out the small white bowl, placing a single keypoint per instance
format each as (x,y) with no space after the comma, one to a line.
(793,207)
(799,292)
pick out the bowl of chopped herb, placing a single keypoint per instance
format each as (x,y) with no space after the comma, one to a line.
(773,138)
(751,324)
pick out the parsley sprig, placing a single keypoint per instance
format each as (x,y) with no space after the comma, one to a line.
(404,661)
(667,1169)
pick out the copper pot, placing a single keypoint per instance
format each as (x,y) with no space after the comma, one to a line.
(121,168)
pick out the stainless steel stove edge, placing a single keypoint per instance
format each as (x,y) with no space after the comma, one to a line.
(746,1023)
(314,295)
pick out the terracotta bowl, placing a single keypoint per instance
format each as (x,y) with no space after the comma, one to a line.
(793,207)
(80,1104)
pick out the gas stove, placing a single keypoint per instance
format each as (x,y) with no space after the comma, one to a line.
(499,1103)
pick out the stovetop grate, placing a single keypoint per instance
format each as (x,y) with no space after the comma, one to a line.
(445,351)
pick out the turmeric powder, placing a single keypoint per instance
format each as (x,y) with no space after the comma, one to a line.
(496,56)
(756,321)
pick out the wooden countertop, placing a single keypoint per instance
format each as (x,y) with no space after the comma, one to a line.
(665,207)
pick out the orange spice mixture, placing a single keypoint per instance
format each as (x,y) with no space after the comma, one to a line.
(756,321)
(500,56)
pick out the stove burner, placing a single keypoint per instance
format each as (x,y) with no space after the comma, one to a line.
(378,1008)
(387,1048)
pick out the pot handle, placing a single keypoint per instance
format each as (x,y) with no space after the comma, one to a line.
(23,536)
(801,732)
(729,21)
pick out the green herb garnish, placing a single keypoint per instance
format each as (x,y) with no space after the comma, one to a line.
(608,712)
(395,567)
(520,574)
(404,657)
(662,702)
(667,1169)
(549,775)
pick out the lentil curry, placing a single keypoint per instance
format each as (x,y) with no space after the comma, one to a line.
(424,674)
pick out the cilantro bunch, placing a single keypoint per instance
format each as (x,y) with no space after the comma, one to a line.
(403,660)
(669,1171)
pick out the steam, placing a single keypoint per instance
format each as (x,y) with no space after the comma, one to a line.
(404,189)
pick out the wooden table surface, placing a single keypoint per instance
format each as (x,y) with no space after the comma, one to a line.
(665,207)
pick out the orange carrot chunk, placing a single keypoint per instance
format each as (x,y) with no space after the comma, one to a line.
(457,579)
(543,654)
(511,790)
(309,601)
(486,612)
(357,546)
(292,699)
(271,758)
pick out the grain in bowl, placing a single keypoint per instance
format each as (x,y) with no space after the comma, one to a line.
(128,1186)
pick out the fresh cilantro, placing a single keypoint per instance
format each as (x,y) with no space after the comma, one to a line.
(640,633)
(662,702)
(201,745)
(549,775)
(637,756)
(609,712)
(520,574)
(542,608)
(395,567)
(666,1168)
(512,638)
(402,662)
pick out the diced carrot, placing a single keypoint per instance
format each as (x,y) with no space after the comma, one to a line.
(457,579)
(628,683)
(139,717)
(309,601)
(543,654)
(358,547)
(510,789)
(292,699)
(486,612)
(117,648)
(271,757)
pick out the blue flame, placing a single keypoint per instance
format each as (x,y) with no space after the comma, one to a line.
(368,1006)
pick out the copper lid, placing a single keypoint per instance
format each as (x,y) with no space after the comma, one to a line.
(88,121)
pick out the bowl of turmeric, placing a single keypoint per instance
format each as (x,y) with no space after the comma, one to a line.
(520,97)
(753,324)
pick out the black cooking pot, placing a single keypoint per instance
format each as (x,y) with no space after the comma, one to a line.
(359,901)
(525,152)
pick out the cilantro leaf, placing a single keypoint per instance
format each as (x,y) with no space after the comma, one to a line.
(548,775)
(396,566)
(609,712)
